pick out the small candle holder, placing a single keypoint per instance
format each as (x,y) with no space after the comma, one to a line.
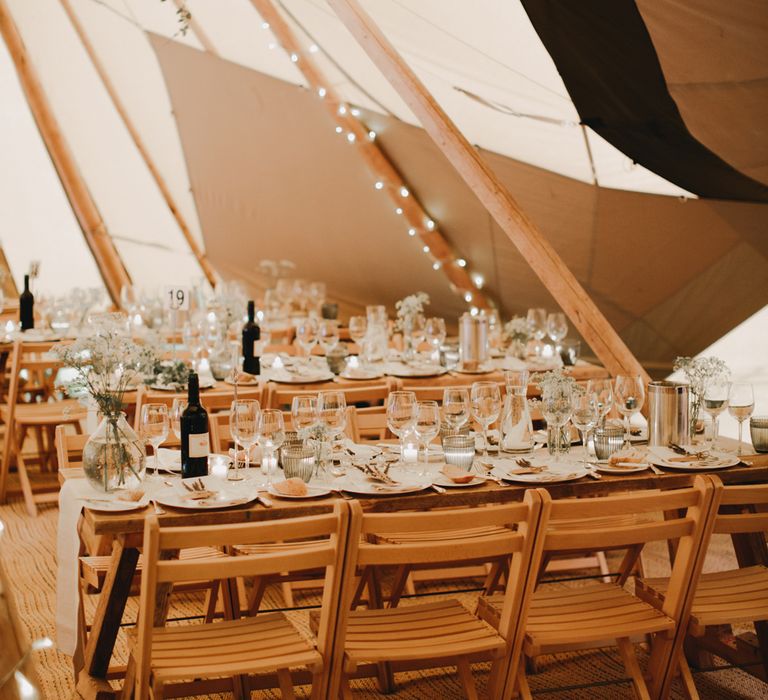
(758,432)
(608,439)
(298,462)
(459,450)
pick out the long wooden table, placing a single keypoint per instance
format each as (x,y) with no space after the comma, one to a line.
(92,661)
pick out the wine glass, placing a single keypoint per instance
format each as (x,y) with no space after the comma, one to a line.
(556,407)
(584,415)
(401,414)
(537,324)
(331,413)
(328,335)
(485,400)
(629,397)
(603,390)
(154,426)
(271,433)
(303,412)
(306,335)
(741,403)
(715,401)
(358,327)
(434,333)
(243,424)
(191,336)
(455,408)
(177,409)
(427,426)
(557,326)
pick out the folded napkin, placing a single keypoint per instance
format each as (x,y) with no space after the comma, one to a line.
(168,459)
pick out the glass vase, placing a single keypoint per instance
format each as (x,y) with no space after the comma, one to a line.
(114,457)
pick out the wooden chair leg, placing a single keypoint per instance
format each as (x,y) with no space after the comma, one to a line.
(211,597)
(287,591)
(257,593)
(398,585)
(26,486)
(364,581)
(42,453)
(630,561)
(627,652)
(686,679)
(375,601)
(286,683)
(465,676)
(128,683)
(346,691)
(157,692)
(522,682)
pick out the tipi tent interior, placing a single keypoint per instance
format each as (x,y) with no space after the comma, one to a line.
(197,144)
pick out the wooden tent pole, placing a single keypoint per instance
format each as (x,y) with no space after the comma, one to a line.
(194,246)
(537,251)
(98,239)
(379,164)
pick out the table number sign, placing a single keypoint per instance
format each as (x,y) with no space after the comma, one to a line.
(176,298)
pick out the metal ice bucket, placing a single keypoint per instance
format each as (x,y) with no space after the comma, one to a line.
(668,418)
(473,341)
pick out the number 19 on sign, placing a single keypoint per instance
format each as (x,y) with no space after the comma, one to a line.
(176,298)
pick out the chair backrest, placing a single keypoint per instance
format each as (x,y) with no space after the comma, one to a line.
(579,524)
(433,393)
(69,450)
(34,357)
(367,424)
(214,400)
(520,523)
(327,532)
(371,393)
(742,509)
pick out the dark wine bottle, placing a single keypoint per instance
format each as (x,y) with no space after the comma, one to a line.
(194,434)
(251,336)
(26,307)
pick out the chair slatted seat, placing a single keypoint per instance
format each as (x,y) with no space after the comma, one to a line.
(372,393)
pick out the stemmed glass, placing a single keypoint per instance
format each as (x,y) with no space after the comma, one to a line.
(537,323)
(427,427)
(177,409)
(401,414)
(332,413)
(603,391)
(191,336)
(244,424)
(303,412)
(741,403)
(358,327)
(556,407)
(557,326)
(716,401)
(271,434)
(154,426)
(434,332)
(629,397)
(328,335)
(455,408)
(306,335)
(584,415)
(486,405)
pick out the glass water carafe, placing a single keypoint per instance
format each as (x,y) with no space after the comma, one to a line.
(516,426)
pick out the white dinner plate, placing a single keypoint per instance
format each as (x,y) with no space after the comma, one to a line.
(662,457)
(485,368)
(364,488)
(231,496)
(623,468)
(361,374)
(204,384)
(250,380)
(281,376)
(105,504)
(312,492)
(443,480)
(400,369)
(555,472)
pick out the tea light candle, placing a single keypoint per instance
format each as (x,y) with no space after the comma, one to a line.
(353,362)
(278,363)
(410,453)
(219,466)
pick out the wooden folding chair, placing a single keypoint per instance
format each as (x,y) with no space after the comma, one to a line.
(33,359)
(597,613)
(367,424)
(443,630)
(723,597)
(266,643)
(372,393)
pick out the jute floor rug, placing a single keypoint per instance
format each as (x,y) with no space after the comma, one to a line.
(28,551)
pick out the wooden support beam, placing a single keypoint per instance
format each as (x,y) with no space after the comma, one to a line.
(393,185)
(98,239)
(170,201)
(537,251)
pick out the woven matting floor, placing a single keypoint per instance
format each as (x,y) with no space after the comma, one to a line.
(28,551)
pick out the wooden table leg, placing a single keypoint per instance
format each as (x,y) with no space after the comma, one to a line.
(109,613)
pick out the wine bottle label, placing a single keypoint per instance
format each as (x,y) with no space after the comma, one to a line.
(198,445)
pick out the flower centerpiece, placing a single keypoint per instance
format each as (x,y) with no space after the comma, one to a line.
(409,311)
(319,438)
(557,391)
(517,333)
(699,371)
(106,365)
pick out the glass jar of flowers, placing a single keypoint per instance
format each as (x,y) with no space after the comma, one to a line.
(517,334)
(106,364)
(410,322)
(699,372)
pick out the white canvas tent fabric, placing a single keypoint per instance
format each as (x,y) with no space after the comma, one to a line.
(484,63)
